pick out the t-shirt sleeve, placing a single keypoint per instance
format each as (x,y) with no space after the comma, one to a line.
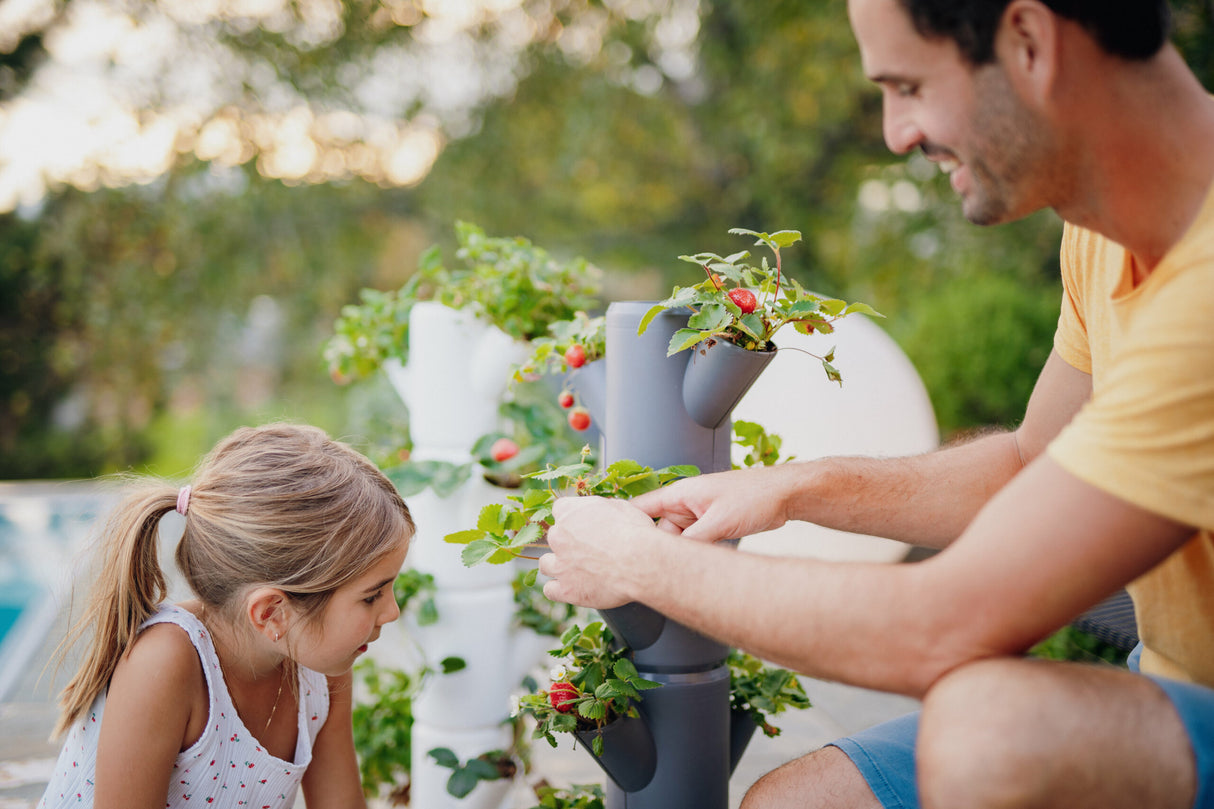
(1147,435)
(1071,337)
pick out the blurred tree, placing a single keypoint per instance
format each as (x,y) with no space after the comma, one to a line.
(315,148)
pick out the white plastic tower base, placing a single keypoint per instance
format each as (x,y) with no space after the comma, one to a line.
(452,384)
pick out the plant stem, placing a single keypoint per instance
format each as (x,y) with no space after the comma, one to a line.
(776,250)
(803,351)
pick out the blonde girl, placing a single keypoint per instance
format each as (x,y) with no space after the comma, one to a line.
(237,697)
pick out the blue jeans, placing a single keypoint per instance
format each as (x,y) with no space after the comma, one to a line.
(885,753)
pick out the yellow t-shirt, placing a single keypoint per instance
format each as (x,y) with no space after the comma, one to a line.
(1147,435)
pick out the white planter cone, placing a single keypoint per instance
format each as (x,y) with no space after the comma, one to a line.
(453,382)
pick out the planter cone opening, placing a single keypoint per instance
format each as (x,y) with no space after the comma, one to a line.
(742,727)
(629,757)
(718,375)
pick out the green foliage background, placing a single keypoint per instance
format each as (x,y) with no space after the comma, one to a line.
(129,332)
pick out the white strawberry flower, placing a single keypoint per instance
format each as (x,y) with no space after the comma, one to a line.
(558,673)
(516,705)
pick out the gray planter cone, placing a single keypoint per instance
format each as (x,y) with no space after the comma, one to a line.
(629,757)
(718,375)
(742,727)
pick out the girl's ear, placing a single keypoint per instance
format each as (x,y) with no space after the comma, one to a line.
(268,611)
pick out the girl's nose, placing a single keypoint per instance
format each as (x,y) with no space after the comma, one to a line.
(391,613)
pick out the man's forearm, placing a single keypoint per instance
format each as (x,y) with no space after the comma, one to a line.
(923,499)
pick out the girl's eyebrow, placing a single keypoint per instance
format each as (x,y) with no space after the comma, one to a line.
(379,586)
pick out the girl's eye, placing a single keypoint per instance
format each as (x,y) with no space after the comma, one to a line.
(374,598)
(906,90)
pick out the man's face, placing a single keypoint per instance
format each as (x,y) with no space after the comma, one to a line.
(966,119)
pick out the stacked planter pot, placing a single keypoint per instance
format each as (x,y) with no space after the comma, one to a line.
(452,383)
(661,411)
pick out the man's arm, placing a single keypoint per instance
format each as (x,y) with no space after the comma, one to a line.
(1045,548)
(925,499)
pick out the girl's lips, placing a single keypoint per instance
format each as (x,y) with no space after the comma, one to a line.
(363,648)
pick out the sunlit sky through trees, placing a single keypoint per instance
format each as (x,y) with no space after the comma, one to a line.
(129,87)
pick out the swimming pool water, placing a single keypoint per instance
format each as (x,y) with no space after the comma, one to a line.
(8,617)
(42,529)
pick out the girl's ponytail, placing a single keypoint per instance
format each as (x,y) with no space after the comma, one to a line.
(129,587)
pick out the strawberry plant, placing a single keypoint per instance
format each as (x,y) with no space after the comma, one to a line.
(508,282)
(568,344)
(492,766)
(595,685)
(383,730)
(504,530)
(762,690)
(535,611)
(746,303)
(577,796)
(537,431)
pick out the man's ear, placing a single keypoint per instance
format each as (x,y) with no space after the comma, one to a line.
(268,612)
(1026,44)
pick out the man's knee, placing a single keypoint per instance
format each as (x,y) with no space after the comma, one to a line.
(823,778)
(1014,732)
(979,741)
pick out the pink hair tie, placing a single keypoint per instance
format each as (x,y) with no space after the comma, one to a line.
(183,500)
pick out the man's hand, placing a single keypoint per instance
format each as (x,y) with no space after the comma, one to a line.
(725,505)
(591,540)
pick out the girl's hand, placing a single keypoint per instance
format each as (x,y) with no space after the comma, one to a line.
(332,780)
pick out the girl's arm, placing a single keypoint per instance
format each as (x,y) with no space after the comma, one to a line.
(332,780)
(150,709)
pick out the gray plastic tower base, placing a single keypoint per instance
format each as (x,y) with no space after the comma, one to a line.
(688,717)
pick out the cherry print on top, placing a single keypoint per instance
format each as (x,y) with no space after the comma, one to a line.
(227,767)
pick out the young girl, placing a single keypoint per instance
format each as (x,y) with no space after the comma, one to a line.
(292,543)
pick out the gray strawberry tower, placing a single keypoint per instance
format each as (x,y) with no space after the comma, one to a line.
(662,411)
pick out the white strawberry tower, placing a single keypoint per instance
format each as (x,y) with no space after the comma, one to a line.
(457,370)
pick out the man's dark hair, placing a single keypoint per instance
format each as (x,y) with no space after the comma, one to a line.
(1131,29)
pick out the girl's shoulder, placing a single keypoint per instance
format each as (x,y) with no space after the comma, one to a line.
(164,667)
(164,655)
(160,676)
(167,640)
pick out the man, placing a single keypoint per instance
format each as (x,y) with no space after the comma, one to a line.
(1082,107)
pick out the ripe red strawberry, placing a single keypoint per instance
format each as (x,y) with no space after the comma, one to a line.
(575,356)
(579,419)
(744,298)
(565,400)
(562,696)
(503,449)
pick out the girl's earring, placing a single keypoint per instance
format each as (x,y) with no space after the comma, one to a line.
(276,637)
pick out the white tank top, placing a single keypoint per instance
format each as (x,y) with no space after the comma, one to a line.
(226,767)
